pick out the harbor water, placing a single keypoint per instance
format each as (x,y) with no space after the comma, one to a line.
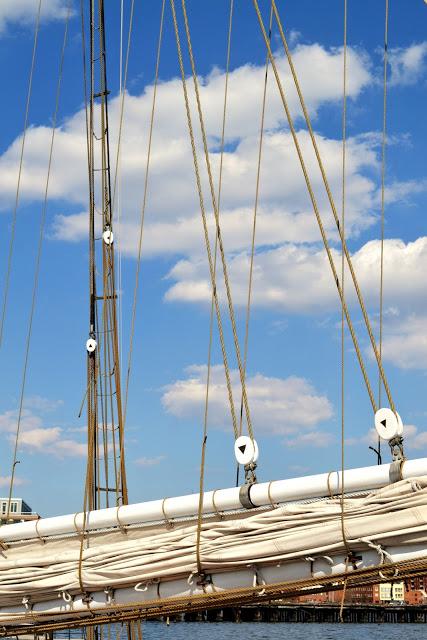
(269,631)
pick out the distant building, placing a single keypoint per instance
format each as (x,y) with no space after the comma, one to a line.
(361,594)
(19,511)
(415,590)
(389,592)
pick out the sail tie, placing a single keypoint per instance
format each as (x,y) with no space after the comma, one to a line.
(383,555)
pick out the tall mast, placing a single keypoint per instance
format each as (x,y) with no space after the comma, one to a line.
(106,476)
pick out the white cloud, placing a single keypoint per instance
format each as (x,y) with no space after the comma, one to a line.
(5,481)
(311,439)
(41,404)
(171,166)
(36,437)
(412,438)
(407,64)
(298,278)
(24,11)
(149,462)
(405,341)
(278,406)
(50,440)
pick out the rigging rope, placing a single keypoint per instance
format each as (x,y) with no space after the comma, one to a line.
(122,103)
(383,167)
(251,265)
(204,221)
(142,216)
(218,228)
(38,258)
(119,201)
(117,169)
(343,203)
(314,201)
(208,374)
(333,208)
(18,185)
(215,599)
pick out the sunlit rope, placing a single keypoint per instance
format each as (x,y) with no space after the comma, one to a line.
(38,258)
(204,223)
(333,209)
(208,374)
(258,174)
(218,228)
(216,599)
(18,185)
(142,215)
(343,203)
(119,202)
(117,169)
(317,212)
(383,168)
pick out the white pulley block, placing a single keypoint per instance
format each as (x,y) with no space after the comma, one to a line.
(246,450)
(91,345)
(388,424)
(108,236)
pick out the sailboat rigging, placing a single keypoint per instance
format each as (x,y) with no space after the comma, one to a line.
(116,561)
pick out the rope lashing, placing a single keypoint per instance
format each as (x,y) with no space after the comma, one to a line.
(65,596)
(109,595)
(383,555)
(169,523)
(120,524)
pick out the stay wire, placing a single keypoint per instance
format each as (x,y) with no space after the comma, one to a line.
(38,256)
(142,216)
(315,206)
(334,211)
(343,204)
(18,185)
(211,320)
(204,222)
(249,298)
(383,169)
(117,169)
(260,145)
(218,228)
(122,102)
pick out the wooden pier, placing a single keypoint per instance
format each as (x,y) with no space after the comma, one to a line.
(305,613)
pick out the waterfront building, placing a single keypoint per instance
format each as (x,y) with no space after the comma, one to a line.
(19,511)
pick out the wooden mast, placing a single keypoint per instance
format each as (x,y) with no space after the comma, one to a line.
(106,485)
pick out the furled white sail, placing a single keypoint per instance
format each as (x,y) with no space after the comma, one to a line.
(290,542)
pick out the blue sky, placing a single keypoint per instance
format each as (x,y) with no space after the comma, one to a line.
(294,341)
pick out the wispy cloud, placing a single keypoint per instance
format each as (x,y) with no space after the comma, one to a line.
(408,64)
(149,462)
(5,481)
(23,12)
(278,405)
(36,437)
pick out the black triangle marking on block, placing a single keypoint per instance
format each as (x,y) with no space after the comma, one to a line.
(384,422)
(243,448)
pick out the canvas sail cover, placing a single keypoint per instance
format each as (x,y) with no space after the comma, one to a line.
(263,543)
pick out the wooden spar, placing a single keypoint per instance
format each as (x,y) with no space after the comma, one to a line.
(261,494)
